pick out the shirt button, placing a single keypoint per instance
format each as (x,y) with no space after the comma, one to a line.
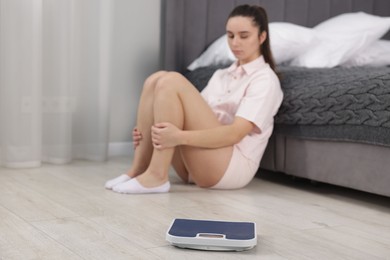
(228,91)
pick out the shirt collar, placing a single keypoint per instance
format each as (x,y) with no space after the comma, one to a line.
(247,68)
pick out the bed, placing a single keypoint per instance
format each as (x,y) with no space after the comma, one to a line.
(334,123)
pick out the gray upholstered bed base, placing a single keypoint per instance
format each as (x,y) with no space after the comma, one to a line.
(359,166)
(191,25)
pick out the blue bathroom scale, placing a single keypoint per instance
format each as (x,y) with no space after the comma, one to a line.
(212,235)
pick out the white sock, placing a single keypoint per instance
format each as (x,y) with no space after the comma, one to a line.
(113,182)
(133,186)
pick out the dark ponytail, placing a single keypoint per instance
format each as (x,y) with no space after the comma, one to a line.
(260,19)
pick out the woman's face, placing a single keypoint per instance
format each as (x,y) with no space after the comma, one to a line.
(244,39)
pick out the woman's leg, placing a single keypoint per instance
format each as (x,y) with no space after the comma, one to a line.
(177,101)
(179,166)
(145,120)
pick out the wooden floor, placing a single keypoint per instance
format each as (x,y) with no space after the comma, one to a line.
(63,212)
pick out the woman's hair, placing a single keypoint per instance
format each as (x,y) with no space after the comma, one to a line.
(260,20)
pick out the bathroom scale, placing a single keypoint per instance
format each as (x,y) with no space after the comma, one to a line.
(212,235)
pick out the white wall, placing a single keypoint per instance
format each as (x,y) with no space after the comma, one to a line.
(136,54)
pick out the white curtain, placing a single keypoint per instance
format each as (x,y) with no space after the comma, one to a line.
(54,81)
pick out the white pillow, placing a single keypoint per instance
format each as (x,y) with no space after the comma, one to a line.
(287,42)
(331,51)
(342,37)
(377,54)
(217,53)
(290,40)
(366,24)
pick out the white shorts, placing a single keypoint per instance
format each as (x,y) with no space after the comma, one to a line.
(239,173)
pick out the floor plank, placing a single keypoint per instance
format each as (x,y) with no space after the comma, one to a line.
(28,204)
(20,240)
(63,212)
(91,241)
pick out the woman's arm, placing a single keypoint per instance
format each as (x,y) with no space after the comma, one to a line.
(165,135)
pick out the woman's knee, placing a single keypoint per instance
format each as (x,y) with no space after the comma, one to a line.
(169,79)
(151,81)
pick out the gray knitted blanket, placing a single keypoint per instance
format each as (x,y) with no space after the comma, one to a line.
(341,104)
(344,104)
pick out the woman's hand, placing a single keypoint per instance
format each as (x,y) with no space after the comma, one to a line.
(137,137)
(165,135)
